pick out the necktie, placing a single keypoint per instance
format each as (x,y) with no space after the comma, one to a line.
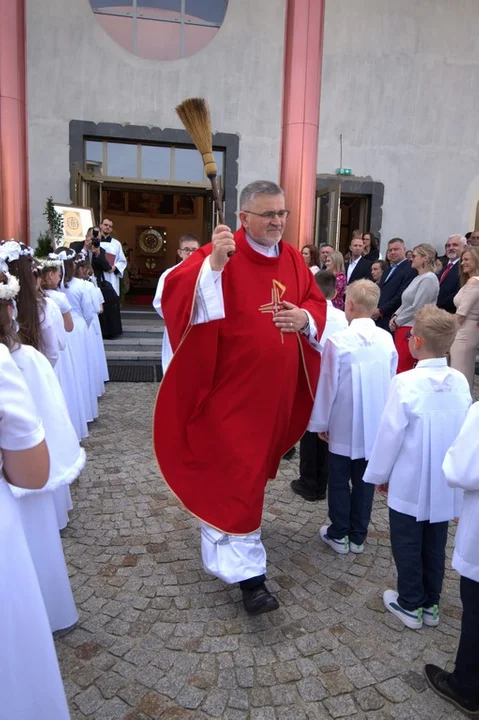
(446,272)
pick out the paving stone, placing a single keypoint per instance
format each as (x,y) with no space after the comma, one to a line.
(394,690)
(311,689)
(89,700)
(369,699)
(340,706)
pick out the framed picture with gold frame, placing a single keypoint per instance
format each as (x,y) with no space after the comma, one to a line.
(150,241)
(76,221)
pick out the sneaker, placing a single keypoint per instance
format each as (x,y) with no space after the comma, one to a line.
(411,618)
(339,546)
(356,549)
(430,616)
(439,681)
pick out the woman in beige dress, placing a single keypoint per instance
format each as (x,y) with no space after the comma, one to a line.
(464,348)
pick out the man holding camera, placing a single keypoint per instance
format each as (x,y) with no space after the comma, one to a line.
(110,318)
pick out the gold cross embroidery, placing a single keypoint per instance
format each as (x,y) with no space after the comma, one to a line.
(275,305)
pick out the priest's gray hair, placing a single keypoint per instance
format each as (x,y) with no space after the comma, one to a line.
(259,187)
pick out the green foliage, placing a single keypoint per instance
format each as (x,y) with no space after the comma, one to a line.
(44,245)
(52,238)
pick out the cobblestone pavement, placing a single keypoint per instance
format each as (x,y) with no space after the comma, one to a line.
(158,638)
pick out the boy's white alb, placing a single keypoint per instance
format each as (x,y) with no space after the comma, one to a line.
(425,410)
(461,468)
(356,368)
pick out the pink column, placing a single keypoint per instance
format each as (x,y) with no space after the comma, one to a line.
(13,141)
(301,99)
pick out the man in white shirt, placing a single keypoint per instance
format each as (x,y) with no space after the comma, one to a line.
(356,367)
(313,452)
(357,267)
(187,244)
(114,254)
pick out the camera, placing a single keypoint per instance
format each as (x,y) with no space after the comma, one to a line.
(95,241)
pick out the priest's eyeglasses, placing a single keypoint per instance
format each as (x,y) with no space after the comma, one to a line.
(270,214)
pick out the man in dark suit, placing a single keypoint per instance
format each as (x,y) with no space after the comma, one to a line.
(357,267)
(393,283)
(449,278)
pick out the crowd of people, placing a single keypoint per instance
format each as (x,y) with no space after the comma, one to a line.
(52,372)
(369,363)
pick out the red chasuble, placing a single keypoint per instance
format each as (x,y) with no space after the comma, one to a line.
(238,393)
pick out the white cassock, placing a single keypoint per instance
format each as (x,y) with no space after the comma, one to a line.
(166,351)
(37,507)
(335,321)
(231,558)
(461,469)
(30,681)
(425,410)
(357,365)
(116,257)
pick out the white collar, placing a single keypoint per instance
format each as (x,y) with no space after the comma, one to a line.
(367,322)
(432,362)
(272,251)
(354,262)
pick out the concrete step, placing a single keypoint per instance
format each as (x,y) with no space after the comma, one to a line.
(133,355)
(132,342)
(131,328)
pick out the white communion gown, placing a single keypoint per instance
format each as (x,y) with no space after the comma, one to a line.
(67,377)
(82,312)
(30,680)
(37,508)
(95,366)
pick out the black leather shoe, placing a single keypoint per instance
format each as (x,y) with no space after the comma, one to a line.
(259,600)
(297,488)
(290,454)
(438,680)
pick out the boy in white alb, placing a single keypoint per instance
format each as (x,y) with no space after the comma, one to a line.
(313,452)
(187,244)
(425,410)
(357,366)
(461,469)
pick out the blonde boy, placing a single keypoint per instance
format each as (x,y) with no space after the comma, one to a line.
(425,410)
(357,366)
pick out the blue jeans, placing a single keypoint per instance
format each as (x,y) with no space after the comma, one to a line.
(349,505)
(419,551)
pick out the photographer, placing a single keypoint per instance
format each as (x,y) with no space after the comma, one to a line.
(110,318)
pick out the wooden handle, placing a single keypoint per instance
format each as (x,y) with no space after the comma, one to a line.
(218,203)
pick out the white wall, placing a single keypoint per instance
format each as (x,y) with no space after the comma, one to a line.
(77,72)
(401,83)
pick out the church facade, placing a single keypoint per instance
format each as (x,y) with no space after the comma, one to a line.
(297,89)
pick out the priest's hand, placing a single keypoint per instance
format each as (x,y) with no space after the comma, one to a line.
(291,319)
(223,244)
(382,489)
(324,436)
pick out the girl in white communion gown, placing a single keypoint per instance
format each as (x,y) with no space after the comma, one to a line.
(65,367)
(30,681)
(67,459)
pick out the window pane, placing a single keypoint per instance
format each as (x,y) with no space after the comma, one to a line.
(112,5)
(170,9)
(155,162)
(119,28)
(158,40)
(212,11)
(218,155)
(121,160)
(196,37)
(188,165)
(94,150)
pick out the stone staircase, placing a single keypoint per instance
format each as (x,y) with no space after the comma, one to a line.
(141,339)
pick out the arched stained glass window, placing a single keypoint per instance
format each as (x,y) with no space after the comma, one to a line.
(161,29)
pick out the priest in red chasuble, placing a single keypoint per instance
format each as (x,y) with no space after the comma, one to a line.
(241,313)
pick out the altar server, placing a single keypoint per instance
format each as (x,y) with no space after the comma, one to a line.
(357,366)
(425,410)
(461,469)
(187,244)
